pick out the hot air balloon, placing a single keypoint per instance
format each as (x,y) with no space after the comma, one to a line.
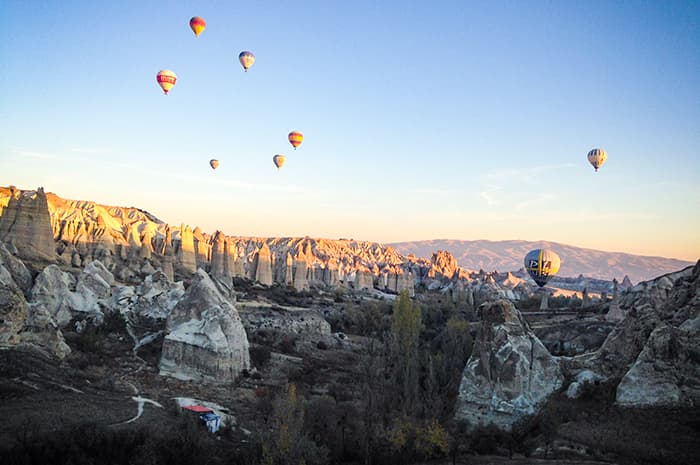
(247,59)
(197,25)
(295,138)
(278,160)
(542,264)
(214,163)
(597,157)
(166,80)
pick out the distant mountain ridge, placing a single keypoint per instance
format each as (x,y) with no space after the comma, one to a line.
(508,256)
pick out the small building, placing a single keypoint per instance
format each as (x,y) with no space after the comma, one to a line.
(206,415)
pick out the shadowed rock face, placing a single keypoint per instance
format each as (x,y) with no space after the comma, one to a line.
(22,323)
(26,223)
(666,372)
(509,374)
(667,369)
(669,299)
(19,272)
(205,338)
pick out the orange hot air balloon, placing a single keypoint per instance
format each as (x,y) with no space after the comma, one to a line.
(295,138)
(214,163)
(197,24)
(166,80)
(278,160)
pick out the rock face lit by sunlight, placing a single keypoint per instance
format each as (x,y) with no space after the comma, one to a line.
(25,223)
(205,339)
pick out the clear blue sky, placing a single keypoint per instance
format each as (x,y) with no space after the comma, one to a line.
(422,120)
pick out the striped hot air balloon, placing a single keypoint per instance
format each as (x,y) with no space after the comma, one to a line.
(278,160)
(197,24)
(597,157)
(295,138)
(247,59)
(166,80)
(542,264)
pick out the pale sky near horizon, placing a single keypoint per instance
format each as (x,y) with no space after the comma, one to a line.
(471,120)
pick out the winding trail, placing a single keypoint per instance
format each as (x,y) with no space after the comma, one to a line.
(140,401)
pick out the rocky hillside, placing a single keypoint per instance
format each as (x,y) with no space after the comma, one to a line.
(507,255)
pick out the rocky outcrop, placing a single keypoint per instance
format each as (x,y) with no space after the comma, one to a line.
(63,297)
(574,337)
(363,280)
(19,272)
(13,308)
(21,323)
(300,281)
(52,289)
(583,378)
(202,248)
(669,298)
(41,329)
(666,372)
(300,322)
(205,339)
(219,257)
(26,223)
(443,264)
(509,374)
(185,250)
(263,265)
(153,299)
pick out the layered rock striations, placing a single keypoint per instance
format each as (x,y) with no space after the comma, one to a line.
(26,223)
(205,339)
(510,373)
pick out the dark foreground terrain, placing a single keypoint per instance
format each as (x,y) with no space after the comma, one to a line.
(333,397)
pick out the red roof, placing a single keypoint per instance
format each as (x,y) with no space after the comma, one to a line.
(197,408)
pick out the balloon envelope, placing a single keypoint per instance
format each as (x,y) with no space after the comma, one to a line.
(166,79)
(295,138)
(197,25)
(542,264)
(214,163)
(278,160)
(247,59)
(597,157)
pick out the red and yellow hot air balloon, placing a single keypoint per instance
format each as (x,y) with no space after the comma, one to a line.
(166,80)
(197,24)
(214,163)
(278,160)
(295,138)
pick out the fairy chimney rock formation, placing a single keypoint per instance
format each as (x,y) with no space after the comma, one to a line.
(185,252)
(263,265)
(219,259)
(205,339)
(510,372)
